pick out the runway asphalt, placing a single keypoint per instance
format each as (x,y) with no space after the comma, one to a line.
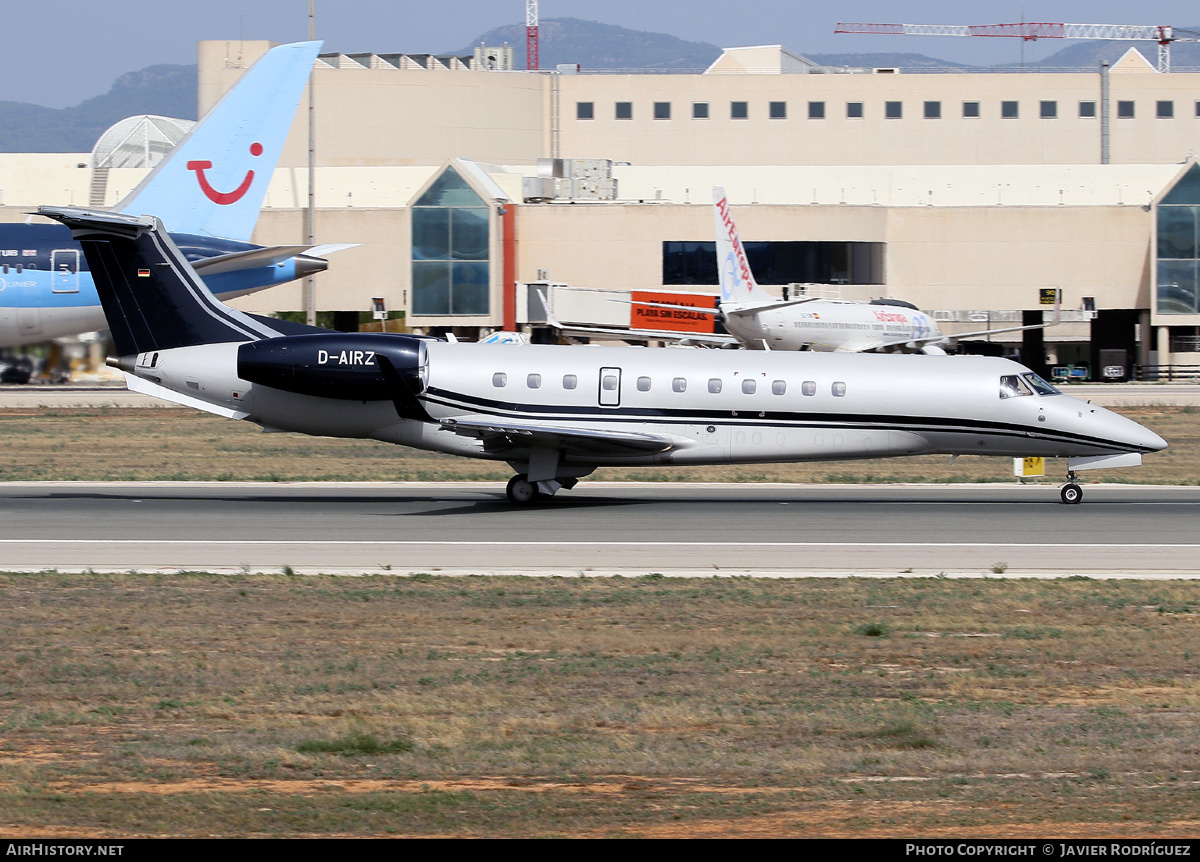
(602,528)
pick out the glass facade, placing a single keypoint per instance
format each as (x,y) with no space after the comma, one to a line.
(1178,250)
(450,233)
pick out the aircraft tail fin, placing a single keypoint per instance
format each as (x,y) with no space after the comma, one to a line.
(737,281)
(152,298)
(213,183)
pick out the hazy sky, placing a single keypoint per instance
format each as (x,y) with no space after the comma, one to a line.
(61,52)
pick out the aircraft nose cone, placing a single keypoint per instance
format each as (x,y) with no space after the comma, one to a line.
(306,265)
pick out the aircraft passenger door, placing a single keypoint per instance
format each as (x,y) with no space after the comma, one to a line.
(64,267)
(610,387)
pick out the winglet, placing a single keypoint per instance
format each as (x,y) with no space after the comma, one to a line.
(214,182)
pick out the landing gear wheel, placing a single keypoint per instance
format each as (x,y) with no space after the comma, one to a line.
(1071,493)
(521,491)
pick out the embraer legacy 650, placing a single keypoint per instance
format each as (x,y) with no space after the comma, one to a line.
(555,413)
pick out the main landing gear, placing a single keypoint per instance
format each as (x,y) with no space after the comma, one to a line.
(1071,492)
(521,491)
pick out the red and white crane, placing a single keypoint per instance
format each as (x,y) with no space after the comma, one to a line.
(531,35)
(1031,32)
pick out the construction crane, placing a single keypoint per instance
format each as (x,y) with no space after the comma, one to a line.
(531,35)
(1031,32)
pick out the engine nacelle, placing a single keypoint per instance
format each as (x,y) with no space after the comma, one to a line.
(336,364)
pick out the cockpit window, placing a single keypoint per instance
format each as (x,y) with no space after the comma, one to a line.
(1040,386)
(1012,386)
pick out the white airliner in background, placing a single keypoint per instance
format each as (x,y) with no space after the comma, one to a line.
(758,321)
(555,413)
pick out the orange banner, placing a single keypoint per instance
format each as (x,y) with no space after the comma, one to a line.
(656,311)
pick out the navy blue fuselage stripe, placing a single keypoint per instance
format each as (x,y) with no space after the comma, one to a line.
(771,419)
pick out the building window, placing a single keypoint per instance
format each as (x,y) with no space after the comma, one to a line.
(816,110)
(971,110)
(585,110)
(933,110)
(624,110)
(1009,111)
(1048,110)
(1087,110)
(699,110)
(1125,110)
(779,262)
(739,110)
(1178,251)
(893,110)
(1198,109)
(777,110)
(662,110)
(450,249)
(854,110)
(1165,110)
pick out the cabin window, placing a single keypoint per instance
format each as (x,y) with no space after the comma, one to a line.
(679,384)
(609,382)
(570,381)
(749,385)
(809,387)
(534,381)
(499,379)
(778,387)
(714,385)
(643,384)
(838,389)
(1012,386)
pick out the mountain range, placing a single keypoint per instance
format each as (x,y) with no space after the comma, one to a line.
(170,90)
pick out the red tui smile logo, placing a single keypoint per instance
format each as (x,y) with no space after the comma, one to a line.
(223,198)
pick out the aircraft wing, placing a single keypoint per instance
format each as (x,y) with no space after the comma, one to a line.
(498,438)
(930,339)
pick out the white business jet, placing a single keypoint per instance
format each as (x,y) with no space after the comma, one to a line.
(555,413)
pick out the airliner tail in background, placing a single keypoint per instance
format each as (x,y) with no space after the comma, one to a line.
(214,182)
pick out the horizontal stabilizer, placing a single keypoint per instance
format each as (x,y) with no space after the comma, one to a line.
(146,387)
(254,258)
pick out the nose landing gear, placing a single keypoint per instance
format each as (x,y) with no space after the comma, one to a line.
(1071,492)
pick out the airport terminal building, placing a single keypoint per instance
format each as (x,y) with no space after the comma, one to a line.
(972,195)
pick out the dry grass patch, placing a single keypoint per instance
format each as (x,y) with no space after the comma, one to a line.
(274,705)
(172,444)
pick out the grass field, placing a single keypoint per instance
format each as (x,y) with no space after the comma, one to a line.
(194,705)
(172,444)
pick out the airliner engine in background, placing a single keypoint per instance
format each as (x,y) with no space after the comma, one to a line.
(556,413)
(208,191)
